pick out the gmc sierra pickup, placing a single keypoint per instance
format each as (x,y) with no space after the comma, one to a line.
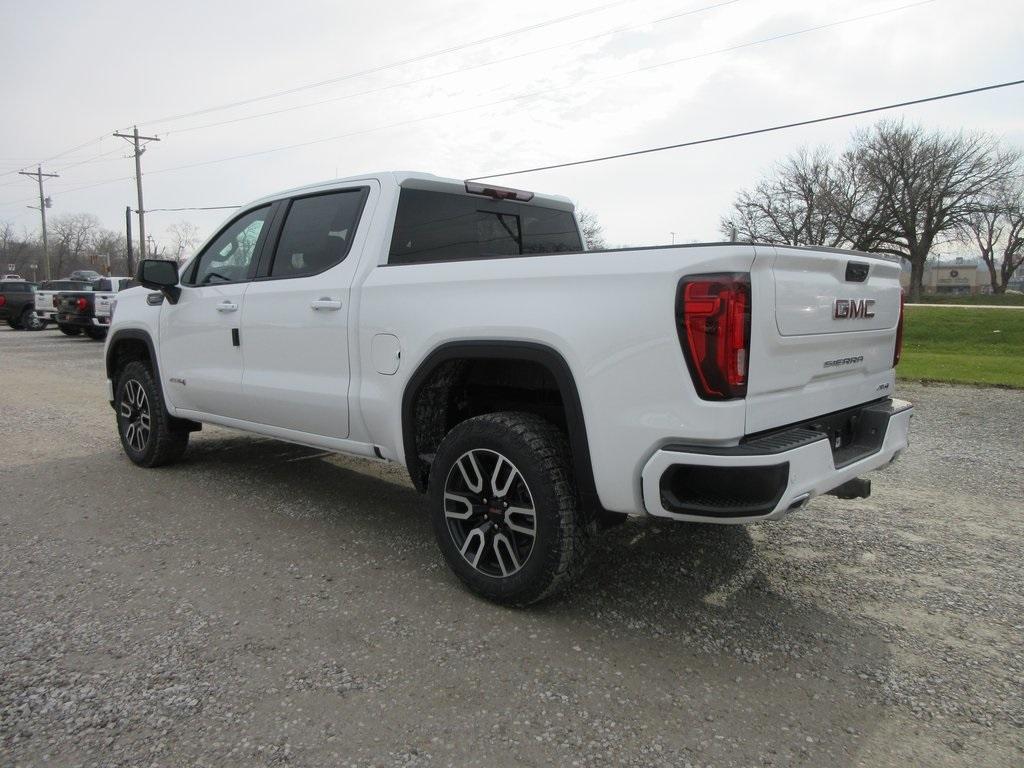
(46,306)
(88,310)
(534,390)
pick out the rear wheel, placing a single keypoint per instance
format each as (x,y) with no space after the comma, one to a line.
(504,507)
(69,330)
(142,421)
(30,321)
(96,334)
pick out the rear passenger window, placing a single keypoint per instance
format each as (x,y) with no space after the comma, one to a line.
(437,226)
(317,233)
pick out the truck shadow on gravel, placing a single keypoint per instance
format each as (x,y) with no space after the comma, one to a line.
(708,585)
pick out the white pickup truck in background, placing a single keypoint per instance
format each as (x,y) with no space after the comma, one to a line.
(46,307)
(533,389)
(88,310)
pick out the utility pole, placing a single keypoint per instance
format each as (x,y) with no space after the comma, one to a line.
(139,149)
(673,237)
(128,231)
(44,203)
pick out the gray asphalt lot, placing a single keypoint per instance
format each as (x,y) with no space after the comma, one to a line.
(263,604)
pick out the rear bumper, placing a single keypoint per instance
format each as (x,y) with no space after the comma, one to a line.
(768,477)
(47,314)
(83,320)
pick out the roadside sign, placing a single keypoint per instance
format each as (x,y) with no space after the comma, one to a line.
(10,267)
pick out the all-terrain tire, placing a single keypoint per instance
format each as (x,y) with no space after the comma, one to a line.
(69,330)
(30,321)
(161,443)
(96,334)
(539,452)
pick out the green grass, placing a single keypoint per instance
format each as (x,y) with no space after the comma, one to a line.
(965,346)
(1003,300)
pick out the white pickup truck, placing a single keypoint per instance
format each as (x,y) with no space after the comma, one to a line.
(87,310)
(534,390)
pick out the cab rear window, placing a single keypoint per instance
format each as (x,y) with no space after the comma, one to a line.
(436,226)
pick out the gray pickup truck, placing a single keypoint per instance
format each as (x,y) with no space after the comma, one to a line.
(17,305)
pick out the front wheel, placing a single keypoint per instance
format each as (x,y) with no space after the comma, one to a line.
(504,507)
(69,330)
(142,421)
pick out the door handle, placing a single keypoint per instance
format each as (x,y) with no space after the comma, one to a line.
(326,302)
(227,306)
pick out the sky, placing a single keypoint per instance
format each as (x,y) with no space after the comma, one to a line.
(410,85)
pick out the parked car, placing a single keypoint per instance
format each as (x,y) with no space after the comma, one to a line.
(12,276)
(534,390)
(85,274)
(46,307)
(89,309)
(17,305)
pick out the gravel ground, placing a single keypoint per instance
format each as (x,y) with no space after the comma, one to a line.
(263,604)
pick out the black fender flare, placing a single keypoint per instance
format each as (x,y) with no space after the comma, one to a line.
(134,334)
(137,334)
(507,350)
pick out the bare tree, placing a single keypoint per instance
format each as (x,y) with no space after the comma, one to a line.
(184,237)
(73,237)
(593,232)
(789,206)
(110,247)
(809,199)
(997,230)
(927,185)
(9,245)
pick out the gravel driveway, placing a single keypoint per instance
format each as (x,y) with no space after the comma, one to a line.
(264,604)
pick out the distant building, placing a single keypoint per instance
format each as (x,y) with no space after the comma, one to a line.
(957,277)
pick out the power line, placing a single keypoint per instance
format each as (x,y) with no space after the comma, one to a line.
(457,70)
(83,145)
(519,97)
(542,92)
(339,78)
(753,132)
(391,65)
(195,208)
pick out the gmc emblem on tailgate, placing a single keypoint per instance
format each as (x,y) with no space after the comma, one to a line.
(851,309)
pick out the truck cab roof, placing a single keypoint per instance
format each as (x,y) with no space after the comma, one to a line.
(409,180)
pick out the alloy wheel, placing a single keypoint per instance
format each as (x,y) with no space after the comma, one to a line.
(134,410)
(490,512)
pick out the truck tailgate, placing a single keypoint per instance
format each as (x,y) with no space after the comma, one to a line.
(823,333)
(102,304)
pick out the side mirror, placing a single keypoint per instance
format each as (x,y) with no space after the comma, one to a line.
(160,275)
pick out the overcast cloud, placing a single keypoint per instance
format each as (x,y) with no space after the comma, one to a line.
(75,71)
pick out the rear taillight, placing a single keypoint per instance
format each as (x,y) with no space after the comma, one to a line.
(82,304)
(898,352)
(713,318)
(3,300)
